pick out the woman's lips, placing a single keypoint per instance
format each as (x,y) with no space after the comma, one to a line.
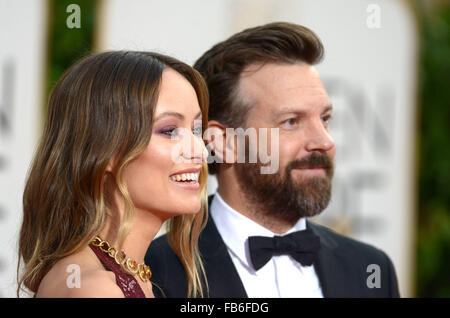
(187,185)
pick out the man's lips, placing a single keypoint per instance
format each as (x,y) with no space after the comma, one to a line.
(312,170)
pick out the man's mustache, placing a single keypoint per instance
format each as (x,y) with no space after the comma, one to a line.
(314,160)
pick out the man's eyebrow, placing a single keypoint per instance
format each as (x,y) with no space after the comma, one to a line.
(328,108)
(297,112)
(288,110)
(175,114)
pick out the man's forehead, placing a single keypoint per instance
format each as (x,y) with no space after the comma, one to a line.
(270,79)
(269,71)
(284,87)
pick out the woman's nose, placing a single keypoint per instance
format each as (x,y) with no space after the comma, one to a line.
(194,148)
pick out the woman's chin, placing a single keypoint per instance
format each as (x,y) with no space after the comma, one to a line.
(186,209)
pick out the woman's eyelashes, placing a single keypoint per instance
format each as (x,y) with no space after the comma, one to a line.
(174,131)
(168,131)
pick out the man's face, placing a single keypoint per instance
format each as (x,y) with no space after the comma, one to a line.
(292,98)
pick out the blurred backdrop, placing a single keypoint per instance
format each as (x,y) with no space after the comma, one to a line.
(386,70)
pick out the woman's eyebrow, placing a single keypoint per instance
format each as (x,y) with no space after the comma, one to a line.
(176,114)
(165,114)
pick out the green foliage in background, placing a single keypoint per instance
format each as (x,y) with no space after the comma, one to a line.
(433,240)
(66,46)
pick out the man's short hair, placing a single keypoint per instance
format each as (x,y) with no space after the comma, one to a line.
(222,65)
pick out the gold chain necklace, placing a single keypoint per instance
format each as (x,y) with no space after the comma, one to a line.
(128,264)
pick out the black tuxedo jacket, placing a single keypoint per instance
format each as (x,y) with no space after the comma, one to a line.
(342,267)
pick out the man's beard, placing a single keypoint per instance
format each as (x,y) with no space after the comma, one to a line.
(279,195)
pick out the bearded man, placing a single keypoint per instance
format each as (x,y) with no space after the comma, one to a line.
(258,241)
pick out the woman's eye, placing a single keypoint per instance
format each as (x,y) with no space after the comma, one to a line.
(170,131)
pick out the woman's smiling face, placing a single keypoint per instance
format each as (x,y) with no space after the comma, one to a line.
(157,180)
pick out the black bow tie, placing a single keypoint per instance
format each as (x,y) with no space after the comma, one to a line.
(302,246)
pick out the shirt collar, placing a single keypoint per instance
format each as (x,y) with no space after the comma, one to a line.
(235,228)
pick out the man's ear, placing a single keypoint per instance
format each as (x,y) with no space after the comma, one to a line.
(216,139)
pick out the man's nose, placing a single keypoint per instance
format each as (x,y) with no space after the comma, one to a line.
(318,138)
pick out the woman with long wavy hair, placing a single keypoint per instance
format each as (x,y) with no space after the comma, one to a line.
(121,153)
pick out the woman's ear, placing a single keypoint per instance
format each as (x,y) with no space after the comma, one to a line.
(216,138)
(112,165)
(109,167)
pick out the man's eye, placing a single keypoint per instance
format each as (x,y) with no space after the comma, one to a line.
(326,118)
(290,122)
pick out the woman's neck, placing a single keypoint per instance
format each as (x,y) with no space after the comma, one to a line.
(143,228)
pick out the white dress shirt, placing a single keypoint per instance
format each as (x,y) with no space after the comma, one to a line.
(282,276)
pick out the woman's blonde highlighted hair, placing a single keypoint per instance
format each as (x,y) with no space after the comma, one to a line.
(102,108)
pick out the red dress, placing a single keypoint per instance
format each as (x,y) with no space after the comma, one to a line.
(127,283)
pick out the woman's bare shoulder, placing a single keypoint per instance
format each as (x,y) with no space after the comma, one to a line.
(79,277)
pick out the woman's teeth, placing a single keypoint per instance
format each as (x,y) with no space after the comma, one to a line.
(185,177)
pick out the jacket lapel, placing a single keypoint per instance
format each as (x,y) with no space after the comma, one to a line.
(327,267)
(223,279)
